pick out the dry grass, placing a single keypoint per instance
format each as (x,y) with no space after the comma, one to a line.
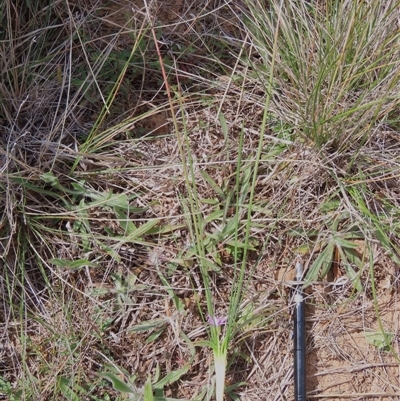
(102,283)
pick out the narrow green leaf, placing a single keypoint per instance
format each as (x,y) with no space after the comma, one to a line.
(340,241)
(212,184)
(211,266)
(217,214)
(231,227)
(210,201)
(109,199)
(321,265)
(224,125)
(379,228)
(233,396)
(148,325)
(172,377)
(118,370)
(235,386)
(157,373)
(326,259)
(124,222)
(354,234)
(351,273)
(109,232)
(73,264)
(299,232)
(165,229)
(352,257)
(177,301)
(386,243)
(116,382)
(67,392)
(36,189)
(204,343)
(148,391)
(329,206)
(190,345)
(115,255)
(79,188)
(142,230)
(245,185)
(153,337)
(202,395)
(240,245)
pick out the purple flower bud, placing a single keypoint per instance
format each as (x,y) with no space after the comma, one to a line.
(216,321)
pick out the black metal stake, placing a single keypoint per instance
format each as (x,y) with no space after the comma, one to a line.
(299,339)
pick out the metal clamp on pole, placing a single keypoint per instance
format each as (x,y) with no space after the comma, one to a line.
(299,331)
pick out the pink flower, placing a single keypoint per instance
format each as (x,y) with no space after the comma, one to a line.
(216,321)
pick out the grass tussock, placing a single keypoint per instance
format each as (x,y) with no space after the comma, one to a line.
(334,78)
(162,168)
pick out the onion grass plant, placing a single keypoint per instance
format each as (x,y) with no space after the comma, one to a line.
(222,330)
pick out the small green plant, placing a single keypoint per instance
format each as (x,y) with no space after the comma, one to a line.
(336,245)
(221,243)
(380,340)
(242,196)
(153,388)
(7,390)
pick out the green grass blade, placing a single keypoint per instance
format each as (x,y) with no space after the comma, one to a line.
(321,265)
